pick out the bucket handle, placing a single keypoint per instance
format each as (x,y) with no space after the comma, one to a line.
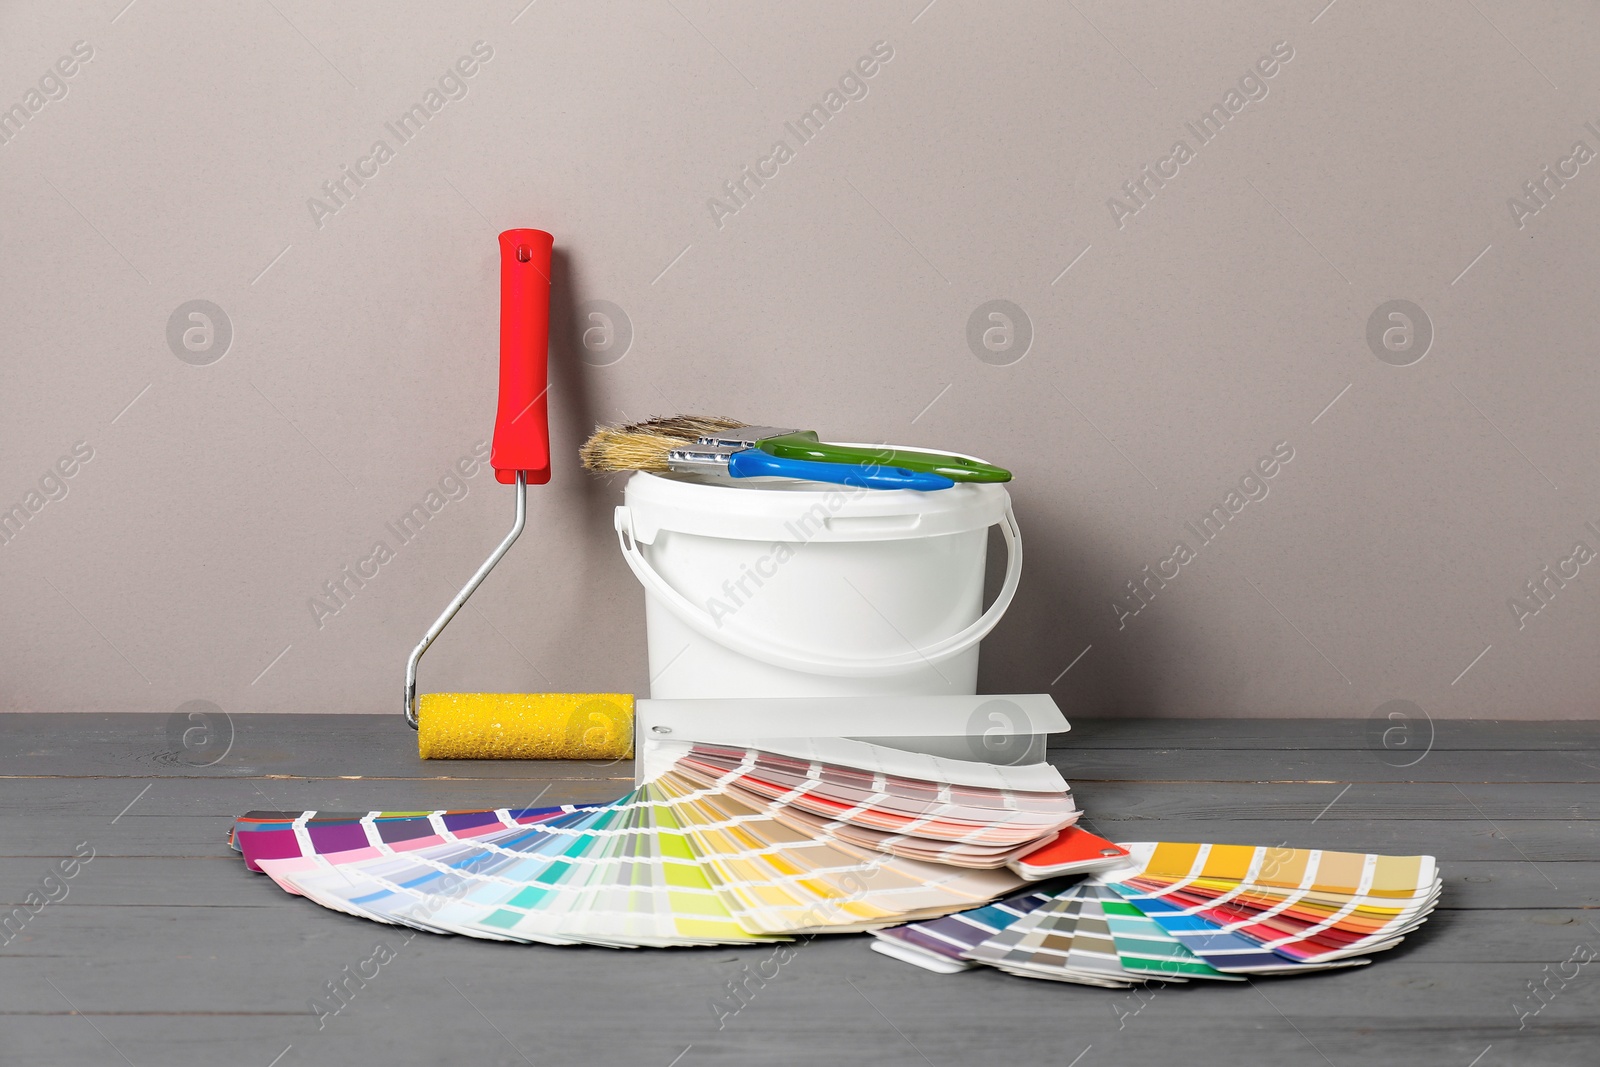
(811,663)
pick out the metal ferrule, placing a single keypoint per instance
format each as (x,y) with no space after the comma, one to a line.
(744,436)
(702,459)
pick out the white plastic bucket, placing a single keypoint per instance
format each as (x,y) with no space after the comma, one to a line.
(768,587)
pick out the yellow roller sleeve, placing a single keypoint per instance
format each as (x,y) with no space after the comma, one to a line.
(525,726)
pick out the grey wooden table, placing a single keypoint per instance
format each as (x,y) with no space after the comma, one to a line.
(163,950)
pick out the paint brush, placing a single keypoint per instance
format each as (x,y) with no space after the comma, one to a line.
(804,445)
(639,447)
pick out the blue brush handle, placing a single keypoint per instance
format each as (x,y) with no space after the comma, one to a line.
(754,463)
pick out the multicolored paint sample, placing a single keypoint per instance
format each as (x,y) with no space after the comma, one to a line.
(731,845)
(1179,911)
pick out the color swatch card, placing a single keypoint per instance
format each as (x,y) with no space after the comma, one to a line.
(963,825)
(730,845)
(942,944)
(1073,850)
(613,875)
(1179,911)
(1251,909)
(275,835)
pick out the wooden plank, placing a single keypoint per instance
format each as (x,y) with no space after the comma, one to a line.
(306,745)
(336,754)
(30,836)
(218,956)
(1252,766)
(1288,735)
(234,796)
(219,878)
(538,996)
(1239,801)
(995,1029)
(1256,765)
(363,731)
(380,745)
(1536,840)
(1227,801)
(1449,840)
(1533,841)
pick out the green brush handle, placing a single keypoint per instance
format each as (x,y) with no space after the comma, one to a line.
(804,445)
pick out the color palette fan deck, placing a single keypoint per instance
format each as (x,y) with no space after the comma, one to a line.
(730,845)
(950,864)
(1179,911)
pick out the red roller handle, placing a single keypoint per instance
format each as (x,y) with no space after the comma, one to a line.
(522,423)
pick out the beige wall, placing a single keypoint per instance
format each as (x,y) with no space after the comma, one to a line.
(1172,347)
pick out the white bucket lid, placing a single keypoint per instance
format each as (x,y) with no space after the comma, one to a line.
(784,509)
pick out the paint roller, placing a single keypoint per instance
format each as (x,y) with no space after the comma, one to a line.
(517,725)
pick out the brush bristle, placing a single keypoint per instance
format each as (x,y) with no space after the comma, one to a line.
(643,446)
(688,427)
(611,449)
